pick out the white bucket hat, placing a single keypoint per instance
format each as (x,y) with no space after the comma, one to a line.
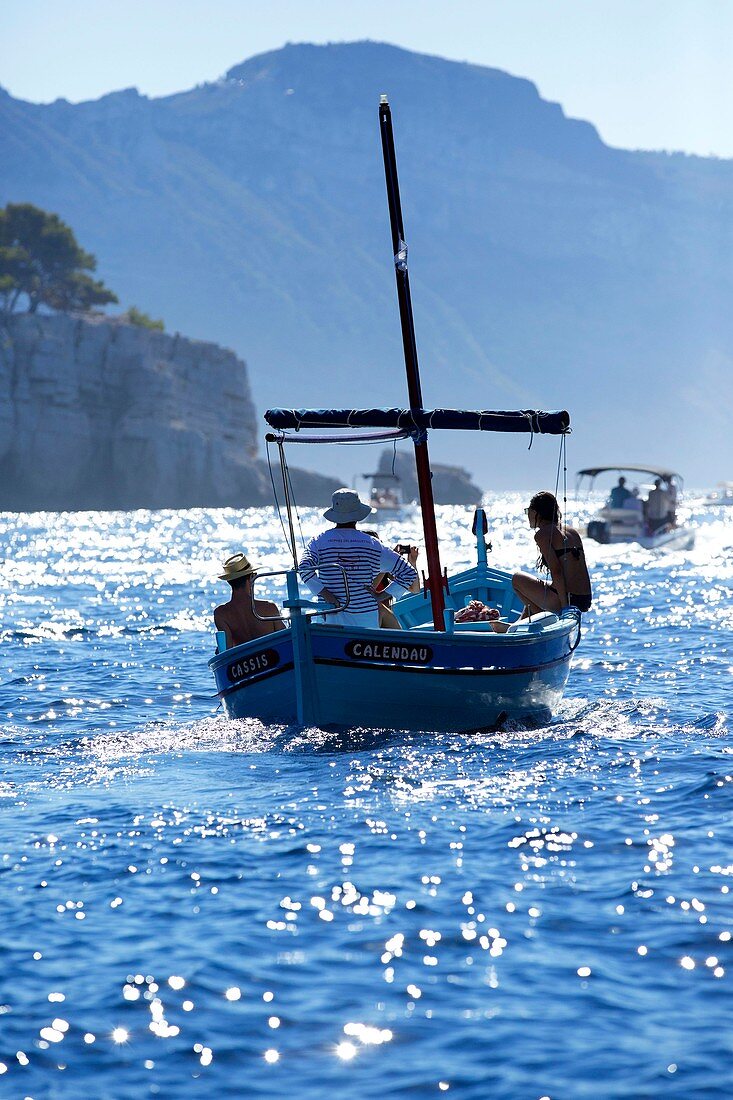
(347,508)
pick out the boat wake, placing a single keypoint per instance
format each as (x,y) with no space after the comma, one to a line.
(632,718)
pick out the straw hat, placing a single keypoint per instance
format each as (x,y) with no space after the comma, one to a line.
(237,566)
(347,508)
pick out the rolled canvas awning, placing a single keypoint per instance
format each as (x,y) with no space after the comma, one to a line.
(524,420)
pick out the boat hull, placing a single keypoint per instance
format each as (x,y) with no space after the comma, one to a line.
(418,680)
(679,538)
(614,526)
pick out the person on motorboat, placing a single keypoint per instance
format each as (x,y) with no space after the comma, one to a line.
(657,510)
(239,617)
(345,552)
(385,498)
(634,503)
(619,494)
(562,555)
(671,491)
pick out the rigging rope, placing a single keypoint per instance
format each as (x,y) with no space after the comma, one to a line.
(286,470)
(288,489)
(280,438)
(530,421)
(564,479)
(274,493)
(562,460)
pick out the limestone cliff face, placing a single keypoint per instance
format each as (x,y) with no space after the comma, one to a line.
(96,413)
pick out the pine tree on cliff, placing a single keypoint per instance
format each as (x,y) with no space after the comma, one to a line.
(41,264)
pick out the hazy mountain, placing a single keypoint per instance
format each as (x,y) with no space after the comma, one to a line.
(547,269)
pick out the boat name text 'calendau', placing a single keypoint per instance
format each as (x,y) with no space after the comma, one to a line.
(389,651)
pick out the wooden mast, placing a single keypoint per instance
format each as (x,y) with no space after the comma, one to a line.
(435,580)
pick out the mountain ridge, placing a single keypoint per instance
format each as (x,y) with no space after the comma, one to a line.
(547,268)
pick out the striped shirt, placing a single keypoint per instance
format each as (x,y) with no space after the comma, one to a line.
(361,557)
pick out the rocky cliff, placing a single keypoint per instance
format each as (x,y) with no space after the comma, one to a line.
(96,413)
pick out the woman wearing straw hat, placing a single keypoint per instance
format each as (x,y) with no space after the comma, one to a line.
(237,618)
(344,551)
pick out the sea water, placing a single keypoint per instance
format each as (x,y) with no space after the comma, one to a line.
(198,907)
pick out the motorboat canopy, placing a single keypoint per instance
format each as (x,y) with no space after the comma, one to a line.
(654,471)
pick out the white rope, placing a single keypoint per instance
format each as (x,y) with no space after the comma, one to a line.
(528,417)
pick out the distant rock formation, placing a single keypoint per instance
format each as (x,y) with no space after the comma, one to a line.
(97,413)
(451,484)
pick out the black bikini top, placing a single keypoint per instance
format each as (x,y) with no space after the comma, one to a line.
(574,550)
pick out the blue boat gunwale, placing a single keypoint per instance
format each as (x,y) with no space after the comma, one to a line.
(472,643)
(474,639)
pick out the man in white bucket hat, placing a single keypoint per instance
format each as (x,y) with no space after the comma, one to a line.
(361,557)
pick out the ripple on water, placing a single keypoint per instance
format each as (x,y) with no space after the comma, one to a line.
(197,902)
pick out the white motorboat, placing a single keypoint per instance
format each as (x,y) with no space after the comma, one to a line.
(627,519)
(722,496)
(386,496)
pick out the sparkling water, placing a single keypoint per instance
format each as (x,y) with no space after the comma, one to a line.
(193,906)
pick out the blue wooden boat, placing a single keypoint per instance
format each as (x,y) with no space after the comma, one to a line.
(461,678)
(434,673)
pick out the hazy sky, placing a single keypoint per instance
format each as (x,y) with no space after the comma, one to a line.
(653,74)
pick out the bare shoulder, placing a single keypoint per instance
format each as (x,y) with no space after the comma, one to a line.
(266,609)
(220,614)
(271,611)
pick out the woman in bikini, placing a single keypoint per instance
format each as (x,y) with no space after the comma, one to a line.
(562,555)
